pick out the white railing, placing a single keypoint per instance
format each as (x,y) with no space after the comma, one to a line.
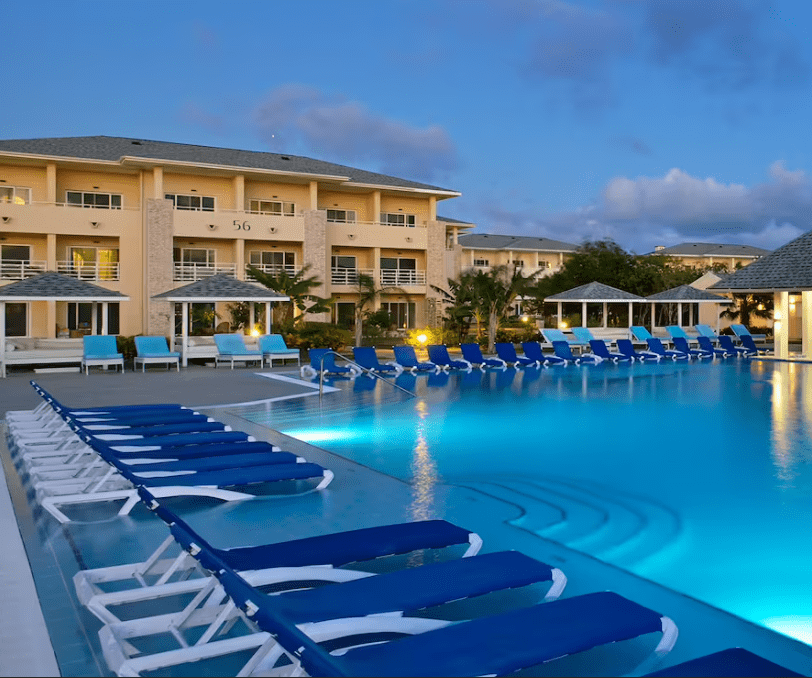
(192,272)
(396,276)
(273,269)
(13,269)
(349,276)
(420,224)
(89,270)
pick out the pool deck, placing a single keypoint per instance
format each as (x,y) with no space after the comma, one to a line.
(358,497)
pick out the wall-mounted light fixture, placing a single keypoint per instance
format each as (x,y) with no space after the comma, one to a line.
(272,229)
(408,238)
(6,219)
(351,236)
(94,224)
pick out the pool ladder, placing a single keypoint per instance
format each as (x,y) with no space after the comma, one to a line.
(363,369)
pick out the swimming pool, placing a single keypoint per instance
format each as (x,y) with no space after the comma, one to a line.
(695,476)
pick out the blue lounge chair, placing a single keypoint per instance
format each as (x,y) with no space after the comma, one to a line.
(148,580)
(734,661)
(749,344)
(562,350)
(367,357)
(675,331)
(600,349)
(155,350)
(507,352)
(706,345)
(626,347)
(406,357)
(323,360)
(656,346)
(438,354)
(100,350)
(583,335)
(231,347)
(343,606)
(273,347)
(640,335)
(499,644)
(742,331)
(473,354)
(681,344)
(533,351)
(550,335)
(706,331)
(726,343)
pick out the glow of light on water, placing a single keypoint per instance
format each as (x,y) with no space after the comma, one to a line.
(321,435)
(794,626)
(424,470)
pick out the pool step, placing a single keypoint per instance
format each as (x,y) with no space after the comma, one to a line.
(612,525)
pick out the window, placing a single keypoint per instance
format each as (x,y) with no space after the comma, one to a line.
(193,256)
(266,259)
(344,270)
(202,319)
(342,216)
(80,317)
(402,314)
(15,253)
(200,203)
(93,263)
(15,194)
(399,271)
(398,219)
(345,314)
(287,209)
(107,201)
(16,319)
(518,263)
(481,262)
(398,263)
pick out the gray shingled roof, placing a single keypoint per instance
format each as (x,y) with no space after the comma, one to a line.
(449,220)
(788,268)
(687,293)
(221,287)
(487,241)
(707,249)
(594,291)
(113,149)
(52,285)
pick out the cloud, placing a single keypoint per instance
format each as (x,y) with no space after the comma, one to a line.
(347,131)
(647,211)
(192,114)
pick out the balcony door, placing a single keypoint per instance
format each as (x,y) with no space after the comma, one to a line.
(14,260)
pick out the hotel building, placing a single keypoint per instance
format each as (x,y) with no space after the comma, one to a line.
(144,217)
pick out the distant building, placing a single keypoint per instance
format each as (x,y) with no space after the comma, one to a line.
(702,254)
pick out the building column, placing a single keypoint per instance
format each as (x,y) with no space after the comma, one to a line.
(314,195)
(239,193)
(806,323)
(376,269)
(104,308)
(432,208)
(251,316)
(239,258)
(315,251)
(3,337)
(605,314)
(184,333)
(781,324)
(583,314)
(376,205)
(50,319)
(158,183)
(50,252)
(94,315)
(560,315)
(50,182)
(268,317)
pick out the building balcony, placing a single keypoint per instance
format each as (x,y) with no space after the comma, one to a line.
(11,269)
(192,272)
(68,220)
(349,276)
(91,271)
(275,269)
(238,224)
(391,277)
(373,234)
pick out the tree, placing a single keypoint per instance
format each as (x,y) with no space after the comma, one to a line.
(368,292)
(459,305)
(298,287)
(746,305)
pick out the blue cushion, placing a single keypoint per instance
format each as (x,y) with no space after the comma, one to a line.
(731,662)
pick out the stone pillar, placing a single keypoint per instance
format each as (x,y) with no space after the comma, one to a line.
(435,270)
(317,254)
(158,276)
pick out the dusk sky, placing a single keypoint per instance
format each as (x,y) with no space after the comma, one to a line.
(651,122)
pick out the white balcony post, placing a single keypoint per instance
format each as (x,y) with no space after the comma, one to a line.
(94,314)
(251,316)
(3,336)
(184,332)
(104,317)
(268,318)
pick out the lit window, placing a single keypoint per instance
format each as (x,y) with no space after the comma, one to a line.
(15,194)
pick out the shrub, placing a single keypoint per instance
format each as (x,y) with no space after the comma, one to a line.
(318,335)
(126,346)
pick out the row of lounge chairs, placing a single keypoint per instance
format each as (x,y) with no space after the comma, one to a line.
(72,456)
(210,602)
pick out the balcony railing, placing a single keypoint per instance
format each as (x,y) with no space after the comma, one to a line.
(89,270)
(349,276)
(273,269)
(395,276)
(192,272)
(13,269)
(351,222)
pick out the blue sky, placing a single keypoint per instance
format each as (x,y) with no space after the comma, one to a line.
(646,121)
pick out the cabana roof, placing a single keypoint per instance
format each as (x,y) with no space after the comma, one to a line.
(221,287)
(595,292)
(788,268)
(53,286)
(686,293)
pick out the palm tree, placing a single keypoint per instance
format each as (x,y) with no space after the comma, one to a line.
(368,292)
(494,292)
(298,287)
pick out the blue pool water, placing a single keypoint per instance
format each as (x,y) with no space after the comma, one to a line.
(695,476)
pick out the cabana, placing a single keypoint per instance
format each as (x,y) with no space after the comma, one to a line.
(785,273)
(218,288)
(685,294)
(53,287)
(595,293)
